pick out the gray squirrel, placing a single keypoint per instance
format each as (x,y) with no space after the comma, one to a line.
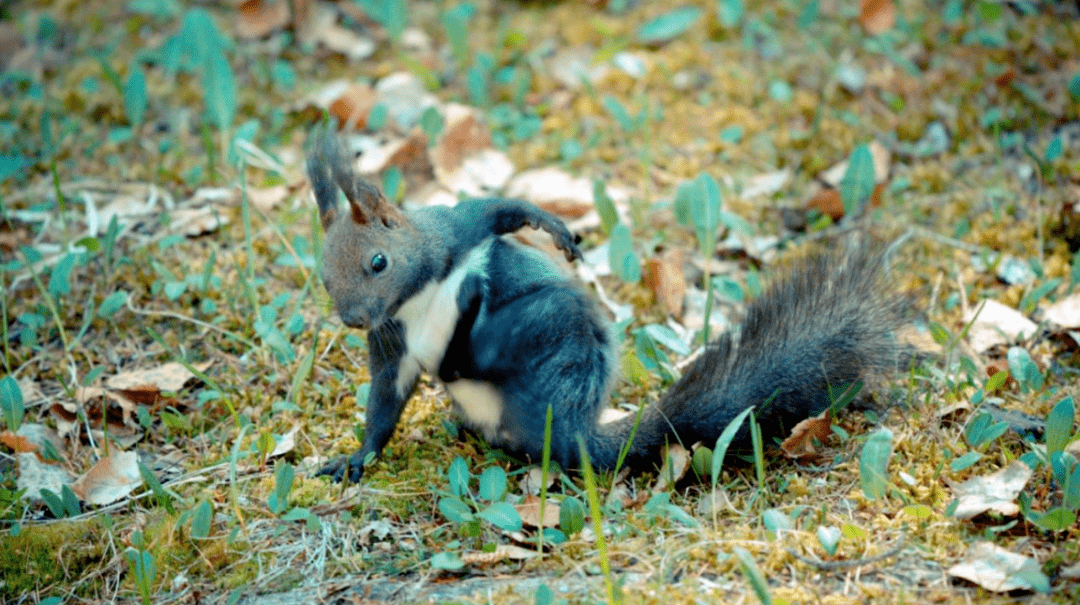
(440,290)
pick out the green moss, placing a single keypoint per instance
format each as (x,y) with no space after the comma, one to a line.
(48,558)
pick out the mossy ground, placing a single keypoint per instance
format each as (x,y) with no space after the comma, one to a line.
(997,76)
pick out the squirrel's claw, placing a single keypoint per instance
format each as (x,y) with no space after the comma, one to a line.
(337,468)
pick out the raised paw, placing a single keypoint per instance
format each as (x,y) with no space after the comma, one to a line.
(563,238)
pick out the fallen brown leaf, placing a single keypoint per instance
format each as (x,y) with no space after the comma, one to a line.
(554,190)
(877,16)
(171,376)
(676,463)
(480,174)
(801,443)
(16,443)
(407,153)
(111,479)
(260,18)
(664,276)
(529,511)
(501,552)
(995,323)
(318,25)
(352,106)
(827,201)
(463,134)
(994,568)
(996,492)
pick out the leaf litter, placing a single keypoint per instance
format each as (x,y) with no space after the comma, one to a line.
(208,212)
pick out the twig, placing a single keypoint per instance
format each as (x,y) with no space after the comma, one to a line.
(847,563)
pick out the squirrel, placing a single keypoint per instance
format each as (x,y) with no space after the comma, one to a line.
(442,290)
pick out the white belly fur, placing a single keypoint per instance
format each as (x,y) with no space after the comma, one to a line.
(429,318)
(481,404)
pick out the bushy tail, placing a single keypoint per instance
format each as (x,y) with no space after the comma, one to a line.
(829,322)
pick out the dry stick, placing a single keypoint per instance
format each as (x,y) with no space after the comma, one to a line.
(848,563)
(186,318)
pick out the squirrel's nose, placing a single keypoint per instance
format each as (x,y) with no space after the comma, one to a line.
(354,317)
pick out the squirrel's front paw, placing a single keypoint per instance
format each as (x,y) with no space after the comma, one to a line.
(563,238)
(567,242)
(337,469)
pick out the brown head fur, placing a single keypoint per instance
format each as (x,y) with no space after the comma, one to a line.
(373,255)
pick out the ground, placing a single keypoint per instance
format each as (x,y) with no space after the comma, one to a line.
(174,377)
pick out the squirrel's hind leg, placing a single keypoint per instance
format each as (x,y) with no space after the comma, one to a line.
(546,348)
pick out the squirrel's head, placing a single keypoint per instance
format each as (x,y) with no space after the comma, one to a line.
(371,251)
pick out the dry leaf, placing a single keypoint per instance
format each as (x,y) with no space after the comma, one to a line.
(111,479)
(501,552)
(260,18)
(881,157)
(194,222)
(1071,572)
(17,443)
(65,415)
(951,413)
(994,492)
(877,16)
(463,134)
(352,106)
(531,480)
(409,154)
(432,194)
(554,190)
(676,463)
(827,201)
(204,212)
(1065,312)
(126,209)
(31,391)
(995,568)
(146,394)
(317,25)
(39,435)
(664,276)
(35,475)
(171,376)
(573,67)
(714,502)
(996,324)
(265,199)
(286,444)
(919,340)
(480,174)
(764,184)
(529,511)
(96,404)
(800,444)
(405,98)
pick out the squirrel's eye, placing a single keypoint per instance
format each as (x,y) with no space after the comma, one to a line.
(378,263)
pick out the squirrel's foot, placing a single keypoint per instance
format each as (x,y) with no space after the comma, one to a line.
(342,466)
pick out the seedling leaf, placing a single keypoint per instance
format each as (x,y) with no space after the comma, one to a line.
(874,464)
(858,181)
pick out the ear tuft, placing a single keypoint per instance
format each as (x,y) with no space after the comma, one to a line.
(330,167)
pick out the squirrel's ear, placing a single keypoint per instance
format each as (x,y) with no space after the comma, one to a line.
(322,185)
(368,200)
